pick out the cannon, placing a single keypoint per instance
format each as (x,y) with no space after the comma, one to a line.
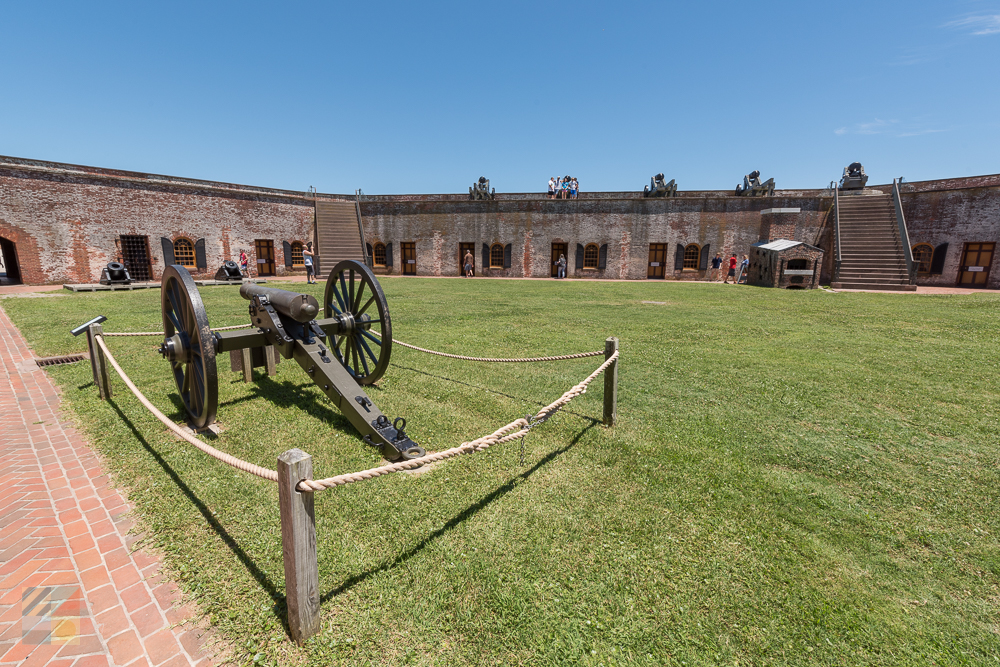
(854,177)
(342,351)
(481,190)
(657,188)
(115,273)
(752,187)
(229,271)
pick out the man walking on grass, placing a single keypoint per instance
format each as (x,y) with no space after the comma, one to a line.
(713,275)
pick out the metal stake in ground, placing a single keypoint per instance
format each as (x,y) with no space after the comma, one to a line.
(298,545)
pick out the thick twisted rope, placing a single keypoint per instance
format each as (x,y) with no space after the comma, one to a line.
(512,431)
(561,357)
(160,333)
(211,451)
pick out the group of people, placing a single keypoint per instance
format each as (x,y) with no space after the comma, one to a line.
(732,263)
(566,187)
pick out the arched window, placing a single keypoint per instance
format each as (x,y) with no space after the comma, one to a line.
(922,256)
(590,256)
(184,253)
(496,256)
(797,264)
(379,255)
(691,255)
(297,258)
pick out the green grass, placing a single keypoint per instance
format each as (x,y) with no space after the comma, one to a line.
(796,478)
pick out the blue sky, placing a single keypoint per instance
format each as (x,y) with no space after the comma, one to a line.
(411,97)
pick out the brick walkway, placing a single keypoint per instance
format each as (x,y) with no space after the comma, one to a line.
(69,531)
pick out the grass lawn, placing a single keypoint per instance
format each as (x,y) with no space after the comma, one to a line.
(795,478)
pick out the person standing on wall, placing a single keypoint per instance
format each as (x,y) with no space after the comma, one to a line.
(732,269)
(713,275)
(552,188)
(307,259)
(468,263)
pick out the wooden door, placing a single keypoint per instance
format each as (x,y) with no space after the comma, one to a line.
(265,256)
(657,260)
(409,258)
(976,260)
(463,250)
(557,249)
(135,256)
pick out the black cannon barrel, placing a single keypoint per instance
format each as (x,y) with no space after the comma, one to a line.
(299,307)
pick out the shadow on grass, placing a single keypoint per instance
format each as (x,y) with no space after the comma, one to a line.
(278,609)
(492,391)
(467,513)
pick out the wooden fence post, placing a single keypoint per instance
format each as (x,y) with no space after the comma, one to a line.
(610,383)
(98,363)
(298,545)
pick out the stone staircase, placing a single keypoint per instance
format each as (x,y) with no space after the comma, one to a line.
(871,251)
(338,234)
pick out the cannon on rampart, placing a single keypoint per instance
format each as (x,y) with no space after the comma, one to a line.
(752,187)
(854,177)
(481,190)
(657,187)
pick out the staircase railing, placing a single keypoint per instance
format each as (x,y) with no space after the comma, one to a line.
(361,230)
(837,257)
(904,237)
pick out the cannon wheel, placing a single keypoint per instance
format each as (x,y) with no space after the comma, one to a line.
(194,368)
(364,350)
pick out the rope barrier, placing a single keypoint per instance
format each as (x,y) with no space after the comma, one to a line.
(211,451)
(160,333)
(512,431)
(561,357)
(503,434)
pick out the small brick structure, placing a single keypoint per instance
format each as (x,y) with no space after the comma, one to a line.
(784,263)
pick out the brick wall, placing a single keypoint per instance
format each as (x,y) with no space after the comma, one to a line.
(627,226)
(65,219)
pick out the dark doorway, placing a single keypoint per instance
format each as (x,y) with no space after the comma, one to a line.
(135,256)
(10,272)
(557,249)
(463,250)
(976,261)
(409,259)
(657,260)
(265,256)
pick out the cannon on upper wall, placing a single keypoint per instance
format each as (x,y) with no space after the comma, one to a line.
(854,177)
(752,187)
(481,190)
(657,187)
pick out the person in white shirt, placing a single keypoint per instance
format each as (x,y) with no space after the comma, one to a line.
(552,188)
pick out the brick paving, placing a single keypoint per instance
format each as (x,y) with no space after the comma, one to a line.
(63,525)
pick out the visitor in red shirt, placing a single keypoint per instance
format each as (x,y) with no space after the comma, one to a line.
(732,269)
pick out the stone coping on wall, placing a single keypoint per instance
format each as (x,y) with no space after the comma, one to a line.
(79,172)
(66,170)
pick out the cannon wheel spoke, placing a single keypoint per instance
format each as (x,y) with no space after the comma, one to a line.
(365,362)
